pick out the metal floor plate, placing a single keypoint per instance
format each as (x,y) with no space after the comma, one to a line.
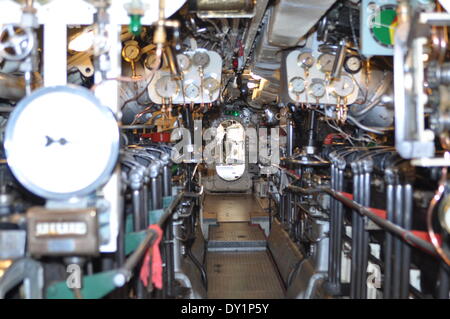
(237,237)
(242,275)
(237,262)
(232,207)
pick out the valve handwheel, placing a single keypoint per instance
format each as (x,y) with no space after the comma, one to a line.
(16,42)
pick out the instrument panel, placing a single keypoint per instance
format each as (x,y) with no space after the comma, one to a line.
(200,81)
(309,78)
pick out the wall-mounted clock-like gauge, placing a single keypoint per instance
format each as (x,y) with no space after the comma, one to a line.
(60,142)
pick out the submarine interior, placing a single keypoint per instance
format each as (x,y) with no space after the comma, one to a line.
(239,149)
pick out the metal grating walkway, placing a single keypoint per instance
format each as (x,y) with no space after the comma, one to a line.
(238,264)
(242,275)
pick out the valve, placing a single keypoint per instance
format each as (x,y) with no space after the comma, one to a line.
(136,11)
(16,43)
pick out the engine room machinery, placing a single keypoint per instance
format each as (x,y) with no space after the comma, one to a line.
(204,149)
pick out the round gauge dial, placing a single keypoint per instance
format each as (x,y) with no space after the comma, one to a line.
(297,85)
(353,64)
(61,142)
(166,87)
(305,60)
(325,62)
(344,86)
(201,59)
(317,88)
(211,85)
(184,62)
(131,51)
(191,91)
(150,61)
(383,23)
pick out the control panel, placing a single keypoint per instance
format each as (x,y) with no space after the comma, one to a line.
(309,78)
(201,72)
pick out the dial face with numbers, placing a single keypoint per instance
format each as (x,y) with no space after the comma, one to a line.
(61,142)
(344,86)
(166,87)
(184,62)
(353,64)
(325,62)
(317,89)
(305,60)
(297,85)
(191,91)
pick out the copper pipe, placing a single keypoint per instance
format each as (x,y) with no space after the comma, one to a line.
(436,198)
(131,79)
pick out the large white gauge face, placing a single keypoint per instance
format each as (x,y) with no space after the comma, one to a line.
(297,85)
(191,91)
(166,87)
(325,62)
(211,85)
(344,86)
(61,143)
(317,89)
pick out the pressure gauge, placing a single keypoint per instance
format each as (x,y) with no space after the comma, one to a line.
(151,60)
(353,64)
(201,59)
(131,51)
(211,85)
(305,60)
(184,62)
(344,86)
(166,87)
(61,142)
(317,88)
(191,91)
(297,85)
(325,62)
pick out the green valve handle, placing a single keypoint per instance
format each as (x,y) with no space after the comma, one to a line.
(135,24)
